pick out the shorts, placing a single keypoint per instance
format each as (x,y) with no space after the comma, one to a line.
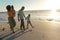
(28,22)
(12,22)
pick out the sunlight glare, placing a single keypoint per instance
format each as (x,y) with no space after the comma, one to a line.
(53,14)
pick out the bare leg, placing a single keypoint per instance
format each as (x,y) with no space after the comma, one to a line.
(12,30)
(27,25)
(21,25)
(31,25)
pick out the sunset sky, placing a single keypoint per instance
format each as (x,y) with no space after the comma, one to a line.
(31,4)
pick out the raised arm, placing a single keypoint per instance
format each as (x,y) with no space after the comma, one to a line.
(18,17)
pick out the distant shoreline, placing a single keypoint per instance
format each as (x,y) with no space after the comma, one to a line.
(29,10)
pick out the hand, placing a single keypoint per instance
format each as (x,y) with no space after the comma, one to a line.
(18,20)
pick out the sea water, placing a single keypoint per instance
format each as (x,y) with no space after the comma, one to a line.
(35,15)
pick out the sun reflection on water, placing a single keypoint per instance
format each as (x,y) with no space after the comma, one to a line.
(53,15)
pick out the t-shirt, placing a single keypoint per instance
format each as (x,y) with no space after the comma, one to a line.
(28,18)
(21,14)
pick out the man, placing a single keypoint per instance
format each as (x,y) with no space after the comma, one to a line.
(21,17)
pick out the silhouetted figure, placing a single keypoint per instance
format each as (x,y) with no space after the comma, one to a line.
(11,16)
(21,17)
(28,21)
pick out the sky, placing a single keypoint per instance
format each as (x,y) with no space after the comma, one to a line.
(30,4)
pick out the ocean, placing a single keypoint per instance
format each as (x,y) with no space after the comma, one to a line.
(41,15)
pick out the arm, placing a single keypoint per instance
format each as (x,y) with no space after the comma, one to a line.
(18,17)
(14,13)
(23,14)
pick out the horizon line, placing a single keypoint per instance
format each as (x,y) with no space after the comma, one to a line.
(31,10)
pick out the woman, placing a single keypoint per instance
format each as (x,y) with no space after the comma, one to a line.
(11,15)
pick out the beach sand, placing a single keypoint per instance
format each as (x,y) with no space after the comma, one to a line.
(42,31)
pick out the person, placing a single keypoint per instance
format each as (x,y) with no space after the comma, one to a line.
(11,16)
(28,21)
(21,17)
(12,8)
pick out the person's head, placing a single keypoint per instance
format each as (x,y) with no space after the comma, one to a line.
(22,8)
(8,7)
(29,15)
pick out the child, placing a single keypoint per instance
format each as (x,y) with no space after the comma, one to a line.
(28,21)
(13,11)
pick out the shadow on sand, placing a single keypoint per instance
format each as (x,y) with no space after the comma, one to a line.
(12,36)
